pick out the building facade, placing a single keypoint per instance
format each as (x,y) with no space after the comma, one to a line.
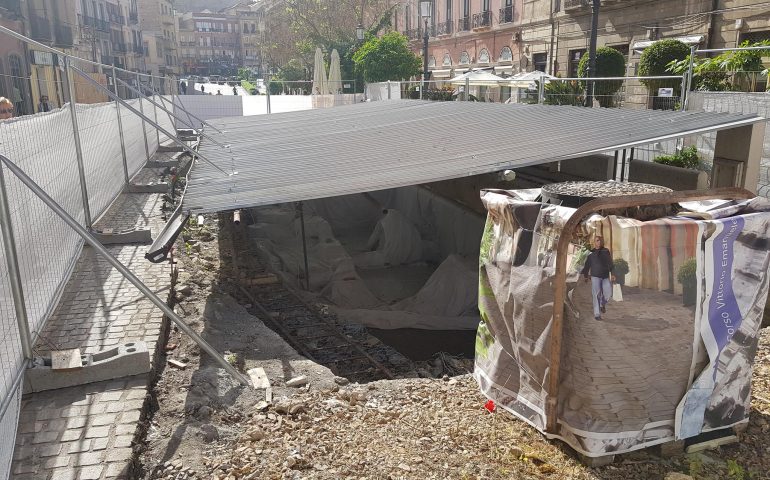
(158,24)
(514,36)
(210,43)
(250,16)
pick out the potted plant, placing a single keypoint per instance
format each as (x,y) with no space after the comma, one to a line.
(620,269)
(687,278)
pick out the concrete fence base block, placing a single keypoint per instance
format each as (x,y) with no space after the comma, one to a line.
(161,187)
(154,164)
(170,148)
(108,237)
(122,361)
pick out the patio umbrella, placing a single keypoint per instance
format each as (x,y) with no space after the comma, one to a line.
(478,78)
(319,74)
(335,76)
(527,80)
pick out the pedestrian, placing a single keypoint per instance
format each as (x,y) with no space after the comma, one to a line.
(599,267)
(235,91)
(6,108)
(44,105)
(203,89)
(183,87)
(219,92)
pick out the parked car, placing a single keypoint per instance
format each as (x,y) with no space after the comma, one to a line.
(205,80)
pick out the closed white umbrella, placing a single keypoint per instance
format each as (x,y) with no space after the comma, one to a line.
(319,74)
(527,80)
(335,76)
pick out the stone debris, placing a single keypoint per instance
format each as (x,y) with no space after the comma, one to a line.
(177,364)
(297,381)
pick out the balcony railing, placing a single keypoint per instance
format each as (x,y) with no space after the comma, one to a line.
(482,19)
(575,4)
(63,35)
(464,24)
(40,29)
(445,28)
(108,59)
(506,14)
(95,23)
(137,49)
(119,47)
(133,17)
(117,19)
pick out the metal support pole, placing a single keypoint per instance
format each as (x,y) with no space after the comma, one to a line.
(267,91)
(623,166)
(541,91)
(424,59)
(467,89)
(388,89)
(91,240)
(155,108)
(69,85)
(120,129)
(203,122)
(304,244)
(688,86)
(615,167)
(592,53)
(141,109)
(14,274)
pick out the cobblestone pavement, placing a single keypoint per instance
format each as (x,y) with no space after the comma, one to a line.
(86,432)
(631,368)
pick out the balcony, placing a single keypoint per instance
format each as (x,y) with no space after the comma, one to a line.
(167,20)
(133,18)
(412,34)
(137,49)
(482,19)
(40,29)
(117,19)
(64,36)
(108,59)
(95,23)
(445,28)
(506,14)
(574,4)
(464,24)
(119,47)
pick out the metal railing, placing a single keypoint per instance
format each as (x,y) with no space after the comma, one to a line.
(506,14)
(445,28)
(95,23)
(482,19)
(40,28)
(64,36)
(575,4)
(463,24)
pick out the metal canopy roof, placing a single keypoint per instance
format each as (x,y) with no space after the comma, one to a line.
(321,153)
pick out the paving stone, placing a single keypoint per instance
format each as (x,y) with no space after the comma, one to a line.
(99,443)
(103,419)
(93,472)
(119,454)
(96,432)
(70,435)
(79,446)
(49,450)
(89,458)
(45,437)
(57,462)
(130,417)
(123,441)
(24,467)
(116,470)
(64,474)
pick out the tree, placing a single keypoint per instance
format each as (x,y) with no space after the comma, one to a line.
(714,74)
(387,58)
(609,63)
(655,60)
(292,75)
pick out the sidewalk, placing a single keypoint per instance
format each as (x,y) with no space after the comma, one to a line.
(87,432)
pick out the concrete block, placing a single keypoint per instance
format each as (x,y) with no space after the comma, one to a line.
(124,360)
(160,187)
(109,237)
(170,148)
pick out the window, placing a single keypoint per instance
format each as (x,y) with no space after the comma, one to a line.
(484,56)
(484,5)
(465,59)
(540,61)
(466,8)
(574,61)
(506,55)
(431,61)
(448,10)
(754,37)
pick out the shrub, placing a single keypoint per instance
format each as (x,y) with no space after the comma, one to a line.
(620,266)
(559,92)
(686,275)
(655,61)
(609,63)
(687,158)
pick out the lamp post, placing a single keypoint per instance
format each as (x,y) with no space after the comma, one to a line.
(425,14)
(592,53)
(360,33)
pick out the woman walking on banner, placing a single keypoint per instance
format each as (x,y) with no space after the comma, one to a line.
(599,267)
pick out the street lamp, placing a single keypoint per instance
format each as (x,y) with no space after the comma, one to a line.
(360,32)
(425,8)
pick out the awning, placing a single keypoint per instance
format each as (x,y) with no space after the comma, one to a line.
(287,157)
(441,73)
(504,70)
(689,40)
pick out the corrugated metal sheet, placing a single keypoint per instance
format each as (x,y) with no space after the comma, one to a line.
(358,148)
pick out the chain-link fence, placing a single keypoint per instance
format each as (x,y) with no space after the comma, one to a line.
(83,154)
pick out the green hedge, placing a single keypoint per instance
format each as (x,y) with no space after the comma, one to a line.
(655,61)
(687,158)
(609,63)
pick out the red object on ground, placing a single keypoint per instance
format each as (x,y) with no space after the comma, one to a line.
(490,406)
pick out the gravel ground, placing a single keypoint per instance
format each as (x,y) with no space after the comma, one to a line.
(207,427)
